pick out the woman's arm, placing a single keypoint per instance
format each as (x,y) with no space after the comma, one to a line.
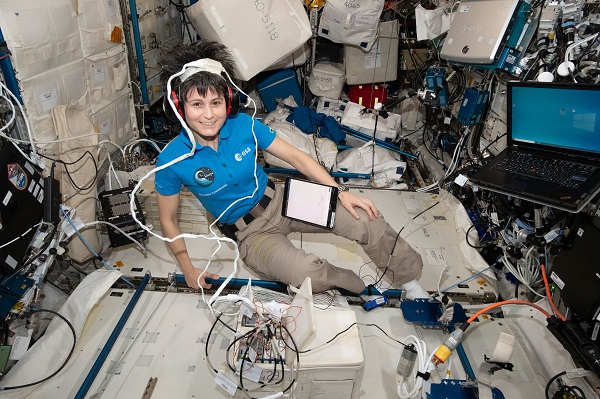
(314,171)
(167,213)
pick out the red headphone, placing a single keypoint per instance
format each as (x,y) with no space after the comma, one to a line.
(232,101)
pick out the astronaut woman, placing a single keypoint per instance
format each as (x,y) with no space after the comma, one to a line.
(223,170)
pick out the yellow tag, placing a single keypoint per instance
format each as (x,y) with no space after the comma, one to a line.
(116,36)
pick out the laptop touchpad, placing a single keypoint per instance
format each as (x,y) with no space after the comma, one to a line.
(519,183)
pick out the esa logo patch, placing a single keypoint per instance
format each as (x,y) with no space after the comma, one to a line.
(204,177)
(238,157)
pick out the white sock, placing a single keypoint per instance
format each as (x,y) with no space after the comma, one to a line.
(414,290)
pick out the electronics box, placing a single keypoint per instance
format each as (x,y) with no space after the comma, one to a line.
(257,33)
(279,84)
(434,78)
(117,211)
(380,64)
(327,80)
(193,218)
(472,106)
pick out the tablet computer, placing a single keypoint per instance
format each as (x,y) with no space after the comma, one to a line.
(309,202)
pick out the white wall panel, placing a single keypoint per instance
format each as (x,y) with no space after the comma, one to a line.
(107,75)
(97,19)
(65,85)
(41,35)
(117,120)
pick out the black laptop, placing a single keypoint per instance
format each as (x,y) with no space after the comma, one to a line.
(553,145)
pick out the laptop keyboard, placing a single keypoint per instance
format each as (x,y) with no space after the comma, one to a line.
(567,174)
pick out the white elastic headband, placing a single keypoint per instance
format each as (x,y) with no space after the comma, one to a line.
(204,64)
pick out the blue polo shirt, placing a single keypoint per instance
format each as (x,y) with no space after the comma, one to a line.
(218,178)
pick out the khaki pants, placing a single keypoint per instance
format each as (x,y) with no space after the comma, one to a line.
(265,248)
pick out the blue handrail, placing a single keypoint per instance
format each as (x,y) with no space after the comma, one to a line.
(89,380)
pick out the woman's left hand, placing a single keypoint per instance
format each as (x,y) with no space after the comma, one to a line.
(350,201)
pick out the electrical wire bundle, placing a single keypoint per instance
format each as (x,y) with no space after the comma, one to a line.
(260,349)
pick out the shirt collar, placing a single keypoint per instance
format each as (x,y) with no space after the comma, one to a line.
(223,134)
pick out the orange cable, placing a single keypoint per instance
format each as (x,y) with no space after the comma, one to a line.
(549,295)
(508,302)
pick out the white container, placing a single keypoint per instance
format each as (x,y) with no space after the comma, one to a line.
(327,80)
(258,33)
(380,64)
(351,21)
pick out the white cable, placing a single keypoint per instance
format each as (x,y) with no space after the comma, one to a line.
(21,236)
(120,231)
(576,44)
(129,146)
(200,65)
(422,366)
(12,110)
(517,275)
(35,159)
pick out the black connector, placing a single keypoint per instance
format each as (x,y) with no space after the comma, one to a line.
(51,200)
(571,335)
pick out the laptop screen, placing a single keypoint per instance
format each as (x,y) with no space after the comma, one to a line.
(557,116)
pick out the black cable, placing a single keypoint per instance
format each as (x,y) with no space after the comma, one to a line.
(92,183)
(492,142)
(564,391)
(467,238)
(246,335)
(331,340)
(47,243)
(396,241)
(66,360)
(386,334)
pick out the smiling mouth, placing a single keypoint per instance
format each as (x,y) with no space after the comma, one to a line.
(207,123)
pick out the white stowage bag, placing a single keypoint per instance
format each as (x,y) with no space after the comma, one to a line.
(351,22)
(327,79)
(258,33)
(387,129)
(387,172)
(325,152)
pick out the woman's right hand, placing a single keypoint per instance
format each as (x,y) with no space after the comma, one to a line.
(191,278)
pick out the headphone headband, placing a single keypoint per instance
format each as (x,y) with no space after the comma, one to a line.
(202,65)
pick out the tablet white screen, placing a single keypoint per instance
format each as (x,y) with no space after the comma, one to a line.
(309,202)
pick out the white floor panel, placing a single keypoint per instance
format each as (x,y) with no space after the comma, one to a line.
(433,234)
(165,338)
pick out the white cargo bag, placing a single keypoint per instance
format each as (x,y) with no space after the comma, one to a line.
(380,64)
(258,33)
(331,107)
(280,113)
(387,171)
(387,129)
(327,79)
(325,152)
(351,21)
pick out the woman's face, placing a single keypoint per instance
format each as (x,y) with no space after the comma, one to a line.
(205,115)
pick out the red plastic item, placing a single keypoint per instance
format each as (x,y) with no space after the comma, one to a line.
(368,95)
